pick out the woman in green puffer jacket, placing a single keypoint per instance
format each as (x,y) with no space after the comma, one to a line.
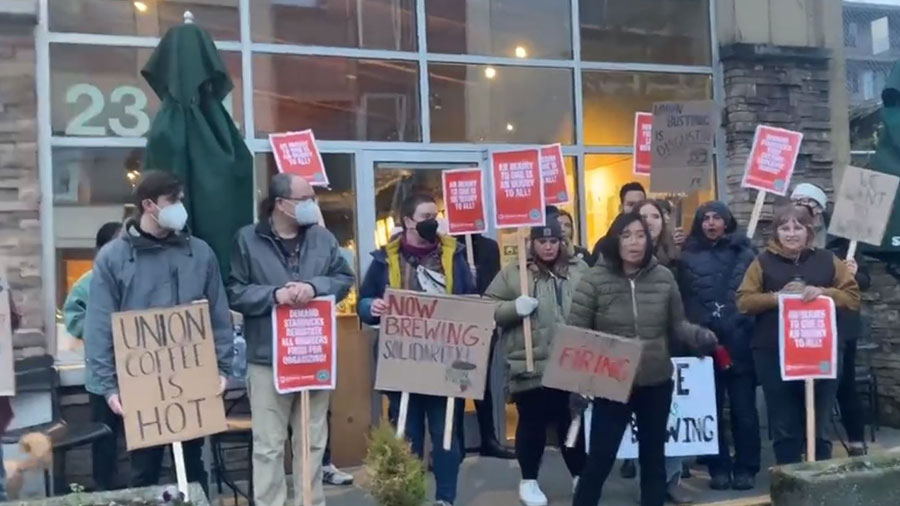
(552,277)
(630,295)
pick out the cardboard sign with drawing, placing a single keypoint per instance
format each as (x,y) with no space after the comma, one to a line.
(682,146)
(863,206)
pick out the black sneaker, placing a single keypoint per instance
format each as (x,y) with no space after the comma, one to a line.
(720,481)
(743,481)
(628,469)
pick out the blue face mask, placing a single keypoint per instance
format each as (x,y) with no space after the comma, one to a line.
(306,212)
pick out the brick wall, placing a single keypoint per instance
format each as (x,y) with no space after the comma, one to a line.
(19,187)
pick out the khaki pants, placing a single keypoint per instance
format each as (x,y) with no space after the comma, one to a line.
(272,412)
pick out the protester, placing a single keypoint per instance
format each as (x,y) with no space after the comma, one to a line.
(630,295)
(792,264)
(104,451)
(849,322)
(630,194)
(486,254)
(715,257)
(420,260)
(286,258)
(552,277)
(155,264)
(568,227)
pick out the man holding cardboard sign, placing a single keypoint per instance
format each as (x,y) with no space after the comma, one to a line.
(156,264)
(286,259)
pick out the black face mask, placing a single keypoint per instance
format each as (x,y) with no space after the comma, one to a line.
(427,229)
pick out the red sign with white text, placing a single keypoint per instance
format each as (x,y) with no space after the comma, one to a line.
(807,334)
(518,188)
(464,200)
(296,153)
(772,159)
(643,137)
(305,346)
(553,169)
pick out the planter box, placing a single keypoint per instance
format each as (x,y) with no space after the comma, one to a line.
(127,497)
(861,481)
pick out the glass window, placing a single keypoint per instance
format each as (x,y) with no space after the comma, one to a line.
(510,28)
(368,24)
(605,174)
(484,103)
(646,31)
(149,18)
(611,100)
(98,91)
(339,98)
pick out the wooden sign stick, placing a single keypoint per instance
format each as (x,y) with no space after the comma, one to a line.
(810,420)
(851,250)
(448,422)
(572,435)
(470,252)
(401,418)
(754,216)
(523,287)
(305,442)
(180,471)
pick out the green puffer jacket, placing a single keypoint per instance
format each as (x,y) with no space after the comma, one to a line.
(646,306)
(554,295)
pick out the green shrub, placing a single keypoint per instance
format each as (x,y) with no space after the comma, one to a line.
(396,477)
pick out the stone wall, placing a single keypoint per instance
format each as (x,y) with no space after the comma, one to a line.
(881,307)
(19,187)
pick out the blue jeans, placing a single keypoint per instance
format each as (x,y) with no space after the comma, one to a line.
(446,463)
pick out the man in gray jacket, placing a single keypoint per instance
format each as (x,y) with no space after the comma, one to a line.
(286,258)
(156,263)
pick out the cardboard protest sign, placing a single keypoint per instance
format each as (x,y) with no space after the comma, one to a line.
(592,363)
(682,147)
(772,159)
(807,338)
(7,360)
(168,375)
(464,201)
(642,155)
(305,346)
(434,344)
(693,427)
(518,188)
(553,170)
(296,153)
(863,205)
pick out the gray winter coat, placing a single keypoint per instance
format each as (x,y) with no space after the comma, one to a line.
(136,272)
(258,268)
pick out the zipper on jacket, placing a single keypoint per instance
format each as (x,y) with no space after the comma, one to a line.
(634,307)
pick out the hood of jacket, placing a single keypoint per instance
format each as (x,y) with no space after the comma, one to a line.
(140,240)
(717,207)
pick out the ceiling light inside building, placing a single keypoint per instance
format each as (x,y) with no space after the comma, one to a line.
(510,127)
(490,72)
(521,52)
(140,6)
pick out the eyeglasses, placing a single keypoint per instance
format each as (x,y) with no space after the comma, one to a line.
(307,198)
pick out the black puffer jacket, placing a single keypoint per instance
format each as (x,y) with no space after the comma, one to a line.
(709,275)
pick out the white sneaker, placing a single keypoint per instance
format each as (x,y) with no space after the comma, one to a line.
(574,484)
(334,476)
(530,493)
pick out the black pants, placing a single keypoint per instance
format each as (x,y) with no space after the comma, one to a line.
(787,409)
(848,396)
(146,465)
(484,408)
(105,451)
(650,406)
(740,388)
(539,409)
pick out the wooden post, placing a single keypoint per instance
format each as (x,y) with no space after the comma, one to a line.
(810,420)
(470,252)
(523,287)
(307,475)
(401,418)
(572,435)
(448,422)
(851,250)
(180,471)
(754,216)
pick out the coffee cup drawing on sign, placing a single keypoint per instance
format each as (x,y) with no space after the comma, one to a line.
(458,374)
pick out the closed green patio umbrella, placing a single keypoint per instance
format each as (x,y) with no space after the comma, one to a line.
(194,137)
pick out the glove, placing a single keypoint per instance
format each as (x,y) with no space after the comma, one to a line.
(525,305)
(577,404)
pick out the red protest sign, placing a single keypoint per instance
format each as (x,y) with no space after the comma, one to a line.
(464,200)
(556,190)
(305,346)
(642,155)
(772,159)
(296,153)
(807,338)
(518,188)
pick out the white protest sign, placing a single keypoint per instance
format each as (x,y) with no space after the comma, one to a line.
(863,205)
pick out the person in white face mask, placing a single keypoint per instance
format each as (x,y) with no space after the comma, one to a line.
(155,263)
(285,258)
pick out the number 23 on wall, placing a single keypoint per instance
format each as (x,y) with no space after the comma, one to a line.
(134,103)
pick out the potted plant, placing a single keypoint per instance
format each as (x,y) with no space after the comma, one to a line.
(396,477)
